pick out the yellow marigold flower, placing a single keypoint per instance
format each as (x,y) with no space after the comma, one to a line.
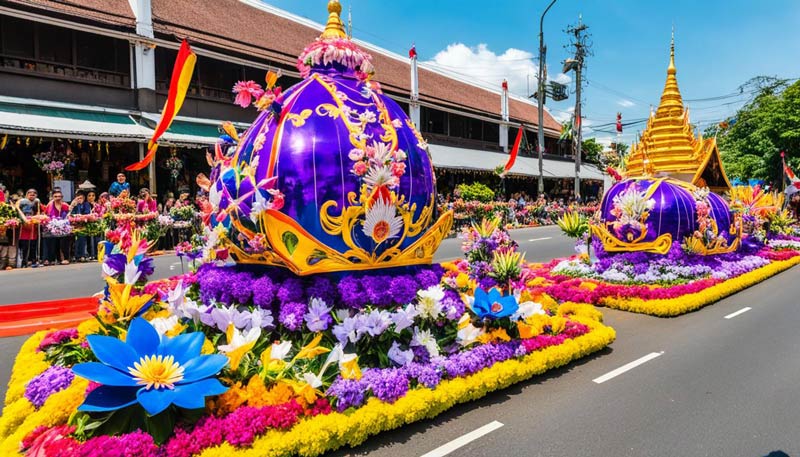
(589,285)
(279,393)
(88,327)
(538,322)
(462,281)
(537,281)
(226,403)
(557,324)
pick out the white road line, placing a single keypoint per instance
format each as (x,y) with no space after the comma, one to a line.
(627,367)
(741,311)
(463,440)
(541,239)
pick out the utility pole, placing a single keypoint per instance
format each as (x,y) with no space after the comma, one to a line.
(579,42)
(541,96)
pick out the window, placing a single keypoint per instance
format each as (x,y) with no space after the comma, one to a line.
(433,121)
(475,129)
(458,125)
(214,74)
(55,44)
(16,37)
(491,132)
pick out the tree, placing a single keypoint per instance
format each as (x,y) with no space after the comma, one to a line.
(751,142)
(591,150)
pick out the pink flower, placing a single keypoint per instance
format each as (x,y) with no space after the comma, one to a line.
(245,91)
(360,169)
(398,169)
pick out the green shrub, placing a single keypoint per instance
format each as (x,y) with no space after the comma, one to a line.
(476,191)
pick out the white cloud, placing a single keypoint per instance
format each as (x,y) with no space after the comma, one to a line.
(485,67)
(625,103)
(562,116)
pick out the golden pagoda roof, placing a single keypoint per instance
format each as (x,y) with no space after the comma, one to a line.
(668,145)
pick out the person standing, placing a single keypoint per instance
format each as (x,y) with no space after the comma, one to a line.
(29,231)
(119,186)
(79,206)
(92,240)
(58,246)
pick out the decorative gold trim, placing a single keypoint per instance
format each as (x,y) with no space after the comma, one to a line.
(660,245)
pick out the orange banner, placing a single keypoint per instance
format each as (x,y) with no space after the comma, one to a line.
(178,86)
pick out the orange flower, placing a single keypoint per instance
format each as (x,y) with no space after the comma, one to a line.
(226,403)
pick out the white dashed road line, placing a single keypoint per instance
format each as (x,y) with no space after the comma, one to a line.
(627,367)
(541,239)
(741,311)
(463,440)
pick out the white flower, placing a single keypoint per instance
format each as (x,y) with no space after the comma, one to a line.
(381,153)
(312,380)
(164,324)
(397,123)
(429,304)
(240,338)
(382,222)
(367,117)
(280,350)
(259,206)
(259,142)
(379,176)
(132,273)
(425,339)
(526,310)
(342,314)
(468,334)
(356,154)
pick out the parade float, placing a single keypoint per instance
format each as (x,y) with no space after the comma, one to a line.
(664,240)
(315,317)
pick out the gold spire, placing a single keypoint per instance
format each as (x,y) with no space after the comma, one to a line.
(668,144)
(334,28)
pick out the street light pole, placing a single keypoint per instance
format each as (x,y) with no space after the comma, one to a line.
(541,96)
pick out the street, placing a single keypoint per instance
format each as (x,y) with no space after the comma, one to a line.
(699,385)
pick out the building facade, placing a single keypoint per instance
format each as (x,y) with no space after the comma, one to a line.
(90,76)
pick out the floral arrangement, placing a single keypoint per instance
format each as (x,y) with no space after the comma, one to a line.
(324,52)
(512,213)
(236,358)
(59,227)
(630,209)
(174,164)
(9,216)
(54,160)
(182,213)
(123,205)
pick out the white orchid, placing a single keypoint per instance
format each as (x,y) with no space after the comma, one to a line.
(427,340)
(429,303)
(280,350)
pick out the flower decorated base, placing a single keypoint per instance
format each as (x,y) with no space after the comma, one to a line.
(689,302)
(315,434)
(616,284)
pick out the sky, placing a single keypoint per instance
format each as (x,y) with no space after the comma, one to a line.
(719,45)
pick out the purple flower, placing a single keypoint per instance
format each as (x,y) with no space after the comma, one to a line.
(347,393)
(453,305)
(346,330)
(52,380)
(388,384)
(137,443)
(322,288)
(318,317)
(426,375)
(403,289)
(241,287)
(403,318)
(373,324)
(290,291)
(399,356)
(263,292)
(428,278)
(378,289)
(353,295)
(291,315)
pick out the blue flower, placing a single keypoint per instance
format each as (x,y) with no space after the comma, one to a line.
(493,304)
(151,370)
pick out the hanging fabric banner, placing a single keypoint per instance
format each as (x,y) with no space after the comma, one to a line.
(178,86)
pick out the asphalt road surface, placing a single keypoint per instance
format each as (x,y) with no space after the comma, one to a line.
(717,382)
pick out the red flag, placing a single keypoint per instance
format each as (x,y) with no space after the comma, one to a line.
(412,53)
(514,151)
(619,122)
(179,84)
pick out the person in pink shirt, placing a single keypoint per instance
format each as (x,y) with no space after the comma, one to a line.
(146,203)
(60,246)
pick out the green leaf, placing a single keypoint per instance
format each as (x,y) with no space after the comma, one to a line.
(290,240)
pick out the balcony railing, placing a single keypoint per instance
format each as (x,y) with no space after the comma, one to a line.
(20,65)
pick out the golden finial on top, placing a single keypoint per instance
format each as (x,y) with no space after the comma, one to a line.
(671,68)
(334,28)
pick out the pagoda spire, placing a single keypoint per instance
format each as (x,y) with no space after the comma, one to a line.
(671,99)
(334,29)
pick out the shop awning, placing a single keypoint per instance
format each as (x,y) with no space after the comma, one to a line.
(473,159)
(56,122)
(184,132)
